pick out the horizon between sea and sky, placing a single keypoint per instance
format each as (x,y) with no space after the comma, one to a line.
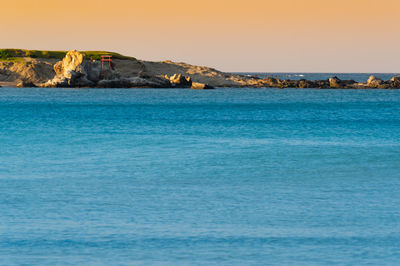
(358,36)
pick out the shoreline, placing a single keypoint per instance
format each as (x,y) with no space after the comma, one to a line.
(74,69)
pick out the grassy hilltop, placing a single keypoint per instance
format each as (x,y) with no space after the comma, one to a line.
(19,54)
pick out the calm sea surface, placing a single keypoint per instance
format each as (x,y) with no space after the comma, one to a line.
(225,177)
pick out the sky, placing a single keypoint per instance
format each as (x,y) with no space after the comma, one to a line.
(234,35)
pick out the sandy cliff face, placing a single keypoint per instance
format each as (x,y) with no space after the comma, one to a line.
(42,70)
(27,69)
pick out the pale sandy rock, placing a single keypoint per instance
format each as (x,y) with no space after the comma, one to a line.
(74,71)
(33,70)
(178,80)
(200,86)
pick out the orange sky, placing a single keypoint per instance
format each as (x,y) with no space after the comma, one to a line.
(251,35)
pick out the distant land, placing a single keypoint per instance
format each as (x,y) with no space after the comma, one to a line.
(33,68)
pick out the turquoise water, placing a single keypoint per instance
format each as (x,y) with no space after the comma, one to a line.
(226,177)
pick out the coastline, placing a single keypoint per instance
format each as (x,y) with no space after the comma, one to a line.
(24,68)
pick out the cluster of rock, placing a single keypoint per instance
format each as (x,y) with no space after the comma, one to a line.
(180,81)
(76,72)
(332,83)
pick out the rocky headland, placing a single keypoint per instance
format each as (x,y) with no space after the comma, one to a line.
(24,68)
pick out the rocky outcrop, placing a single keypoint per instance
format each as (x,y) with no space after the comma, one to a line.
(334,82)
(31,70)
(179,81)
(75,71)
(374,82)
(337,83)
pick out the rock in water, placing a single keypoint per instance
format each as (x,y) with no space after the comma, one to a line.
(374,82)
(395,82)
(334,82)
(200,86)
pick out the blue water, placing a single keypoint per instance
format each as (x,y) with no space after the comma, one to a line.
(224,177)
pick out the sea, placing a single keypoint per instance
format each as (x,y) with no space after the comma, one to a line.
(190,177)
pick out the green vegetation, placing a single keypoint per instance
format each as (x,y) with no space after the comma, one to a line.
(44,54)
(4,54)
(96,55)
(18,54)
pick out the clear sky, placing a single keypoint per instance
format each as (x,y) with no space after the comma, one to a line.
(234,35)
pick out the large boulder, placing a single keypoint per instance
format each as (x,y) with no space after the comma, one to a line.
(374,82)
(395,82)
(75,71)
(335,82)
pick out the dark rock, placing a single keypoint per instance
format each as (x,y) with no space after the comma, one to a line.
(306,84)
(288,84)
(395,82)
(322,84)
(108,74)
(115,83)
(26,84)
